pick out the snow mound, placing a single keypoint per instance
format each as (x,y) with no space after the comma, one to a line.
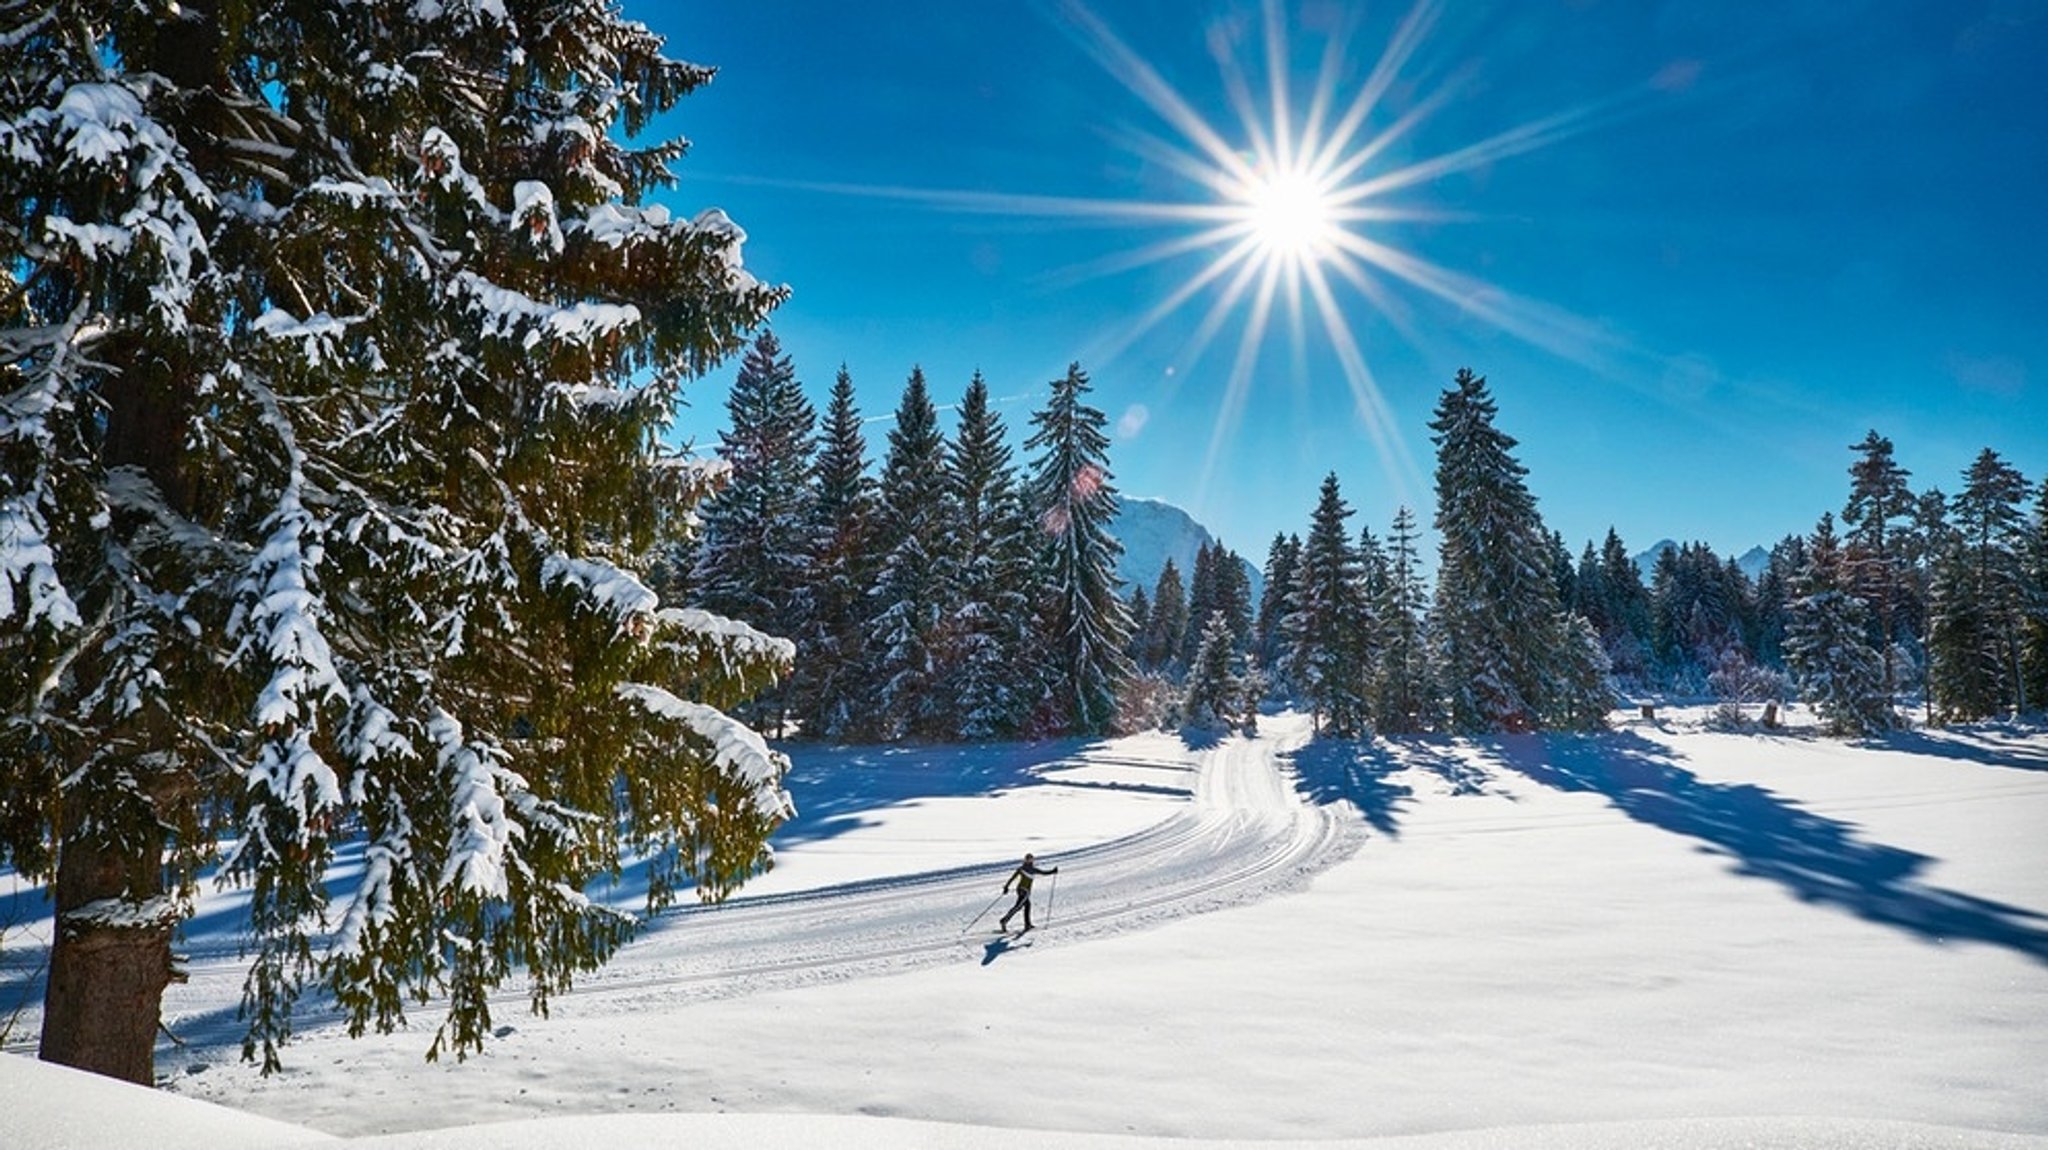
(56,1108)
(48,1107)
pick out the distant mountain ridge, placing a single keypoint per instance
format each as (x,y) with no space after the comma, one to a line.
(1153,531)
(1752,561)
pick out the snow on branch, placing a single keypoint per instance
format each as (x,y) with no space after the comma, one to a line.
(318,335)
(734,745)
(385,860)
(355,193)
(731,636)
(533,212)
(482,831)
(28,562)
(506,312)
(614,590)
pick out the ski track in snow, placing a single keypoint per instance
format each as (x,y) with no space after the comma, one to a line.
(1246,835)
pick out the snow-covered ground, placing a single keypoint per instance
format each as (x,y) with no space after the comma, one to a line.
(1663,936)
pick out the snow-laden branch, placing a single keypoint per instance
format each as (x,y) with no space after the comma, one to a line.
(735,746)
(28,562)
(732,637)
(482,831)
(318,336)
(613,590)
(506,313)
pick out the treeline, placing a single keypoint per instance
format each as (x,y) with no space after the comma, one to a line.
(946,598)
(946,595)
(1907,598)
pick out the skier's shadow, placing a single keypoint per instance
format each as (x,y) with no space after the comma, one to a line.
(998,947)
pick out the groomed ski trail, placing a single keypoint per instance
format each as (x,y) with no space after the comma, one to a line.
(1245,834)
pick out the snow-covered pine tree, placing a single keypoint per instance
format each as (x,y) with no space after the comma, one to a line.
(909,595)
(1164,629)
(1498,625)
(1326,624)
(1879,505)
(2034,627)
(1139,606)
(828,683)
(335,348)
(1214,697)
(1628,642)
(1978,594)
(1202,601)
(1827,643)
(1085,627)
(755,557)
(1234,596)
(1375,579)
(1282,557)
(1773,599)
(1406,702)
(989,693)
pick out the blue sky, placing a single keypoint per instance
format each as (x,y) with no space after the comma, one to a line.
(1697,249)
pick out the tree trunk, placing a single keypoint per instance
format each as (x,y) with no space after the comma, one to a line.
(111,959)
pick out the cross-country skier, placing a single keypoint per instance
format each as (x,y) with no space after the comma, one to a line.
(1021,879)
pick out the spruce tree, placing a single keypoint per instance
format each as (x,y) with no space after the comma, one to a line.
(1326,624)
(336,349)
(1628,634)
(1499,628)
(1139,606)
(1407,701)
(1085,627)
(1827,643)
(756,553)
(2034,626)
(1281,560)
(1978,597)
(1161,638)
(909,595)
(1879,505)
(1204,599)
(1234,596)
(988,623)
(1215,691)
(830,677)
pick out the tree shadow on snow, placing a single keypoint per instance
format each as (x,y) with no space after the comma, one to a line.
(1821,860)
(1983,744)
(1359,772)
(1330,771)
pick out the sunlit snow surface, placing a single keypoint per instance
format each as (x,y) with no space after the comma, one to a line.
(1665,936)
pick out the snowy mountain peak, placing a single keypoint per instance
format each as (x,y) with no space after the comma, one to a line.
(1153,531)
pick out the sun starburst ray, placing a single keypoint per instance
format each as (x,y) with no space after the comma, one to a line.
(1370,403)
(1144,82)
(1157,252)
(1521,138)
(1239,383)
(1407,37)
(1290,209)
(1277,72)
(1233,257)
(1237,90)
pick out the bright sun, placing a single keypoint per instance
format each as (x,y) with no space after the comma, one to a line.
(1291,216)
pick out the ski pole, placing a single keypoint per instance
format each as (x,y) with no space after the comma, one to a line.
(1051,889)
(984,910)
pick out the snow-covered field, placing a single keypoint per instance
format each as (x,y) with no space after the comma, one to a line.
(1663,936)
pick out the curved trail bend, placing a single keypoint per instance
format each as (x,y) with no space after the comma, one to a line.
(1246,834)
